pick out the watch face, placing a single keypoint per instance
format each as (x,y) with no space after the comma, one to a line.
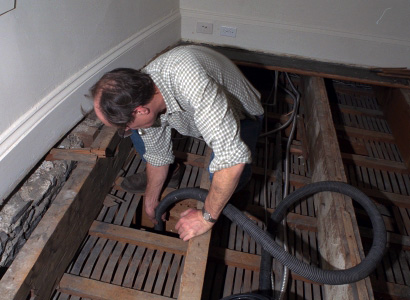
(207,216)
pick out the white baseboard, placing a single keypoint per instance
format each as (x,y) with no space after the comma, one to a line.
(28,139)
(286,39)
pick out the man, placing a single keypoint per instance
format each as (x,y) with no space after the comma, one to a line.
(199,93)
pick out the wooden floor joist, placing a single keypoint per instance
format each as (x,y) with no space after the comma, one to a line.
(336,218)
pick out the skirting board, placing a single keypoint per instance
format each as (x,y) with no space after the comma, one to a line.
(27,140)
(284,39)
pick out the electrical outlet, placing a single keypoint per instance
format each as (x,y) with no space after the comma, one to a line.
(202,27)
(228,31)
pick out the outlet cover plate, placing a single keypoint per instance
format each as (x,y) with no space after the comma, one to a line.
(228,31)
(202,27)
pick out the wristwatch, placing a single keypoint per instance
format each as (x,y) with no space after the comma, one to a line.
(207,216)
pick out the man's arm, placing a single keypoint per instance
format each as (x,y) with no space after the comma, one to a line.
(156,177)
(223,185)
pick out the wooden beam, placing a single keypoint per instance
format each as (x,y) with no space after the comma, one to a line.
(191,159)
(298,221)
(387,198)
(196,258)
(376,163)
(52,245)
(94,289)
(105,144)
(338,234)
(397,111)
(138,237)
(392,238)
(81,154)
(359,111)
(365,134)
(308,67)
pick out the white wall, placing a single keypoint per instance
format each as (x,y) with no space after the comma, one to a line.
(361,32)
(51,53)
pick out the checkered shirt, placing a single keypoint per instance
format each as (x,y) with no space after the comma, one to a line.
(206,96)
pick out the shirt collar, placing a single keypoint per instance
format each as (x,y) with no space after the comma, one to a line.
(170,102)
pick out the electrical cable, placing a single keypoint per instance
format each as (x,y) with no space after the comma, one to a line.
(285,277)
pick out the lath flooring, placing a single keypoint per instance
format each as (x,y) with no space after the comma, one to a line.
(373,164)
(124,258)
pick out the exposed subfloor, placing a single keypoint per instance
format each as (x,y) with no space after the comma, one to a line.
(120,254)
(373,164)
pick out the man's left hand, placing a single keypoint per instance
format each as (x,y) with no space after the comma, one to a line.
(192,224)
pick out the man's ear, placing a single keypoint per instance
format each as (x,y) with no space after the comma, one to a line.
(141,110)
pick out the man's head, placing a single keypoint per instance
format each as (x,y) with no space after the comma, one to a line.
(121,94)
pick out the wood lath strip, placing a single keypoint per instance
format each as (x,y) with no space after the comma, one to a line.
(295,180)
(375,163)
(359,110)
(89,288)
(81,154)
(138,237)
(293,220)
(387,198)
(365,134)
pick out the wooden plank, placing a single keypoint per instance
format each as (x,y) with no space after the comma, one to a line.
(397,111)
(105,144)
(112,263)
(173,272)
(197,253)
(308,67)
(338,235)
(165,266)
(360,111)
(388,198)
(153,270)
(388,290)
(375,163)
(138,237)
(365,134)
(293,220)
(123,265)
(143,269)
(53,244)
(82,154)
(94,289)
(191,159)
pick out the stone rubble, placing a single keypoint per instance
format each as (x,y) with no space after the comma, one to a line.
(23,210)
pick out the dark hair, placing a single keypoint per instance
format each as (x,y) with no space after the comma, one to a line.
(122,90)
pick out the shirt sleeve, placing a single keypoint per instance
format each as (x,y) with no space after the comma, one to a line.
(215,119)
(158,146)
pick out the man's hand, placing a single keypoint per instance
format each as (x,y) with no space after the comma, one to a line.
(150,211)
(192,224)
(155,179)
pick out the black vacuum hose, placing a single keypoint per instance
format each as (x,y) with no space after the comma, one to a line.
(333,277)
